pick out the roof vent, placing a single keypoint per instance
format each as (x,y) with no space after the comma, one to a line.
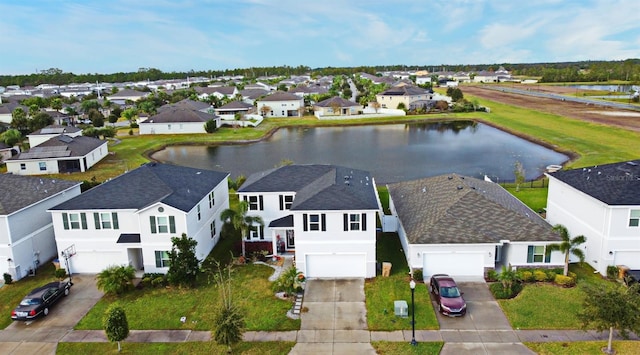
(346,182)
(449,177)
(424,189)
(459,187)
(632,163)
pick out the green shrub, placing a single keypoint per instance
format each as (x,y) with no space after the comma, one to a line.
(7,278)
(61,273)
(158,281)
(500,293)
(571,275)
(492,275)
(539,275)
(417,275)
(551,275)
(526,276)
(146,281)
(289,281)
(565,281)
(612,272)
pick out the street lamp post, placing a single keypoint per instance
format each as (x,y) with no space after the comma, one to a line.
(412,285)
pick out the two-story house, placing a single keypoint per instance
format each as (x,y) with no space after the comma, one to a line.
(280,104)
(603,204)
(130,219)
(324,214)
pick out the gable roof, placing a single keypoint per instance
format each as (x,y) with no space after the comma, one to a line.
(453,209)
(173,185)
(179,113)
(56,129)
(187,103)
(235,105)
(318,187)
(18,192)
(404,90)
(336,100)
(126,93)
(613,184)
(61,146)
(253,93)
(281,96)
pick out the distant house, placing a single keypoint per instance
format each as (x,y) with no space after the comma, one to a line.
(603,204)
(60,154)
(463,226)
(6,111)
(124,95)
(44,134)
(217,91)
(336,106)
(323,214)
(7,152)
(484,76)
(26,231)
(130,219)
(405,94)
(251,95)
(180,118)
(280,104)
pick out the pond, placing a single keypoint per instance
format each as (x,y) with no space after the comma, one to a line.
(611,88)
(392,153)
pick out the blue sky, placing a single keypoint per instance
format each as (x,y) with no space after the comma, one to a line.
(120,35)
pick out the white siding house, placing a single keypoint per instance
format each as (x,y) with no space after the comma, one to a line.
(42,135)
(324,215)
(184,117)
(26,231)
(603,204)
(130,220)
(463,226)
(280,104)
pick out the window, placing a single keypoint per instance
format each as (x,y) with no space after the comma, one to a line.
(314,222)
(23,166)
(536,254)
(634,218)
(169,127)
(105,220)
(162,258)
(212,199)
(43,166)
(162,224)
(74,220)
(255,203)
(212,227)
(285,202)
(256,233)
(199,214)
(355,222)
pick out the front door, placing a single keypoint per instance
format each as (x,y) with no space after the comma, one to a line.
(291,242)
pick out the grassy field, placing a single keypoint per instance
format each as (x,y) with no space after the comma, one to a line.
(394,348)
(584,348)
(255,348)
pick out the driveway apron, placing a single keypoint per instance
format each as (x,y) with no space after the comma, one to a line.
(333,320)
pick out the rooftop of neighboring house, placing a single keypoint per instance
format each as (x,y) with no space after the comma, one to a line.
(235,105)
(61,146)
(336,100)
(55,129)
(404,90)
(125,93)
(318,187)
(179,113)
(614,184)
(187,103)
(18,192)
(281,96)
(454,209)
(176,186)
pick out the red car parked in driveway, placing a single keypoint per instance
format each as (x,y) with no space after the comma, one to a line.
(448,295)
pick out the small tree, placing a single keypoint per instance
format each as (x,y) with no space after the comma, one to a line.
(116,279)
(518,171)
(611,307)
(375,105)
(507,277)
(210,126)
(229,321)
(116,325)
(11,137)
(184,264)
(567,246)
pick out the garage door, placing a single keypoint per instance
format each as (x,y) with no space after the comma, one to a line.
(336,265)
(628,258)
(454,264)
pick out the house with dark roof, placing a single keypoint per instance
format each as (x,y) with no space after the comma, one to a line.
(183,117)
(7,152)
(239,114)
(280,104)
(602,203)
(26,232)
(130,219)
(464,226)
(124,95)
(44,134)
(403,94)
(336,106)
(324,215)
(59,154)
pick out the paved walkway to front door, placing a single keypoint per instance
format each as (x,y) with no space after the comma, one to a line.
(334,319)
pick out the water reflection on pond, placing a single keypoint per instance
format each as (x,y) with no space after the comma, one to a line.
(392,153)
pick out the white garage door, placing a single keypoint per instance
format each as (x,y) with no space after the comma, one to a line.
(628,258)
(336,265)
(454,264)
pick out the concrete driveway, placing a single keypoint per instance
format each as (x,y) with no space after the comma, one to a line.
(335,319)
(41,335)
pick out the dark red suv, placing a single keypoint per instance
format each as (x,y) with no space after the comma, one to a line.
(448,295)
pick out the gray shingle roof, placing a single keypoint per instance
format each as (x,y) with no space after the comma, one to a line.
(318,187)
(65,146)
(187,103)
(56,129)
(404,90)
(613,184)
(336,100)
(453,209)
(17,192)
(180,113)
(281,96)
(176,186)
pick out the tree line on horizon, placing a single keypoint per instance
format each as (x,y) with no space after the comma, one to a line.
(582,71)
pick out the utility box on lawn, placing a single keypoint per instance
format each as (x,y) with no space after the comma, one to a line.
(401,308)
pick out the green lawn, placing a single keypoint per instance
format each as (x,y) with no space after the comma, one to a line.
(12,294)
(382,291)
(547,306)
(534,197)
(395,348)
(584,347)
(247,348)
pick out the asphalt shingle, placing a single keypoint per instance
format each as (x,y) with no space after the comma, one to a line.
(18,192)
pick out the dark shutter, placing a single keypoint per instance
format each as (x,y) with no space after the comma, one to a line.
(65,220)
(364,221)
(547,256)
(345,221)
(261,232)
(96,219)
(83,220)
(158,257)
(244,198)
(530,254)
(281,203)
(323,217)
(305,227)
(172,224)
(114,216)
(152,221)
(261,207)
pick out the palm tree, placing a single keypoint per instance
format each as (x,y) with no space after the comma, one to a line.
(567,246)
(238,218)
